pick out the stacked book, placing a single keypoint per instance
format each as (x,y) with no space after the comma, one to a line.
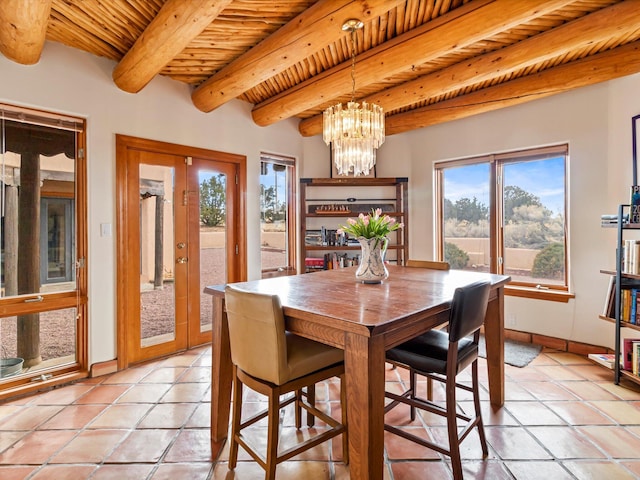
(607,220)
(631,257)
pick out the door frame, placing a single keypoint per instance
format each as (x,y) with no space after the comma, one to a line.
(236,264)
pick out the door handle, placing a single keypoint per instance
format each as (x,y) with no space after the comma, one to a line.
(181,260)
(39,298)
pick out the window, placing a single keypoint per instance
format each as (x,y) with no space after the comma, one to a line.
(506,213)
(43,246)
(277,215)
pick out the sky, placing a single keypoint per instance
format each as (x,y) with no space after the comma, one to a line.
(542,178)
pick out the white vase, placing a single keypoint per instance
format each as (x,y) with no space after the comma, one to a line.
(372,268)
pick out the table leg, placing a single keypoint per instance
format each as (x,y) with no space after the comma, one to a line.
(494,337)
(364,372)
(221,372)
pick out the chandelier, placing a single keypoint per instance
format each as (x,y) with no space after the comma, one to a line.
(357,130)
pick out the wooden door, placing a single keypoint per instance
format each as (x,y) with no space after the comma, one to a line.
(178,231)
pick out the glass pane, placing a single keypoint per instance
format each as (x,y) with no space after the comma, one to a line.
(534,221)
(213,236)
(157,294)
(273,216)
(466,217)
(56,245)
(56,331)
(37,209)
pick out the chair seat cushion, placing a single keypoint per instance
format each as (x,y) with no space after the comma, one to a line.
(306,356)
(428,352)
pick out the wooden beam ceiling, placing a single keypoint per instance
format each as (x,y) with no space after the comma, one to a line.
(312,30)
(174,27)
(461,27)
(23,29)
(619,18)
(601,67)
(432,60)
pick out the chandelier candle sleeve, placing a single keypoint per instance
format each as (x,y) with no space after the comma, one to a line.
(354,132)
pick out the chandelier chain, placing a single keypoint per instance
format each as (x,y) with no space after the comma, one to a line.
(353,64)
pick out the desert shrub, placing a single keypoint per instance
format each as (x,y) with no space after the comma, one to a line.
(456,257)
(549,263)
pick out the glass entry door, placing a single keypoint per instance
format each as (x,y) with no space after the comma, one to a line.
(212,240)
(174,240)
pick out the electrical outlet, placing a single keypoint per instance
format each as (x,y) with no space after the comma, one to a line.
(511,320)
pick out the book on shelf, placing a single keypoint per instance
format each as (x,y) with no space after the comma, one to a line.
(627,353)
(314,263)
(610,298)
(604,359)
(612,219)
(631,257)
(635,357)
(325,237)
(634,213)
(629,300)
(608,220)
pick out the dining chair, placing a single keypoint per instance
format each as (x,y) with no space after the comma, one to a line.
(274,362)
(435,265)
(441,356)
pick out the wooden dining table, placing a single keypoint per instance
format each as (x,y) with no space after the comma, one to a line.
(364,320)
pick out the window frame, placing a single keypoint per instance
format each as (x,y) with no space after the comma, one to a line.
(291,223)
(497,163)
(77,298)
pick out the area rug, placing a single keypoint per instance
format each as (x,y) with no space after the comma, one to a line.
(518,354)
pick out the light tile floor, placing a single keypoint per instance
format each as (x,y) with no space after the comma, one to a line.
(563,419)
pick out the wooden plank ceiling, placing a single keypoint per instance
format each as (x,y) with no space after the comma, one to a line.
(424,61)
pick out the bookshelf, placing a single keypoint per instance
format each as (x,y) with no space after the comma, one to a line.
(622,280)
(326,203)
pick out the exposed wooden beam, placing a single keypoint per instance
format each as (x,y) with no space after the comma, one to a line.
(312,30)
(174,27)
(601,67)
(473,22)
(23,29)
(599,26)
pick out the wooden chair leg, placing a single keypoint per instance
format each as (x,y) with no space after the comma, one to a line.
(343,409)
(429,389)
(298,409)
(452,428)
(236,418)
(476,403)
(311,399)
(412,387)
(272,435)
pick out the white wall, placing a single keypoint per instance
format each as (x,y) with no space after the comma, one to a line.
(69,81)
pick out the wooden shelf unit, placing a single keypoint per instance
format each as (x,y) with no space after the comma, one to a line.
(354,193)
(619,276)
